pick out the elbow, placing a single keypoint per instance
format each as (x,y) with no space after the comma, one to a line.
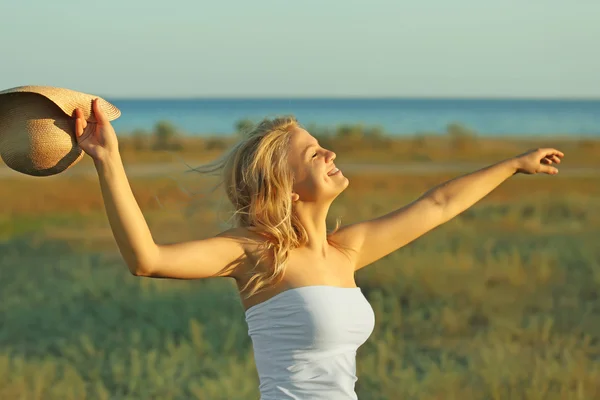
(140,270)
(143,267)
(437,199)
(438,206)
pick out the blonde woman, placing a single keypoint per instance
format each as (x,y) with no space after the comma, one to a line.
(305,314)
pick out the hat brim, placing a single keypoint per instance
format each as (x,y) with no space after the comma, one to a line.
(68,100)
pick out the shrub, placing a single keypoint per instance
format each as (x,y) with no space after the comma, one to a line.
(461,137)
(165,135)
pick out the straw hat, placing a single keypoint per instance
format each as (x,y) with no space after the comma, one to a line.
(37,128)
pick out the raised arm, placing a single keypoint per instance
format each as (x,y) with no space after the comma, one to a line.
(223,255)
(219,256)
(376,238)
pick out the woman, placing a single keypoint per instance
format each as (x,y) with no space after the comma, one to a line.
(305,314)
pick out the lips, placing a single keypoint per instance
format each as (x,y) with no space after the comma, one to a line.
(333,171)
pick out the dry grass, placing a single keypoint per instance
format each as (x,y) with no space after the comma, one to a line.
(391,149)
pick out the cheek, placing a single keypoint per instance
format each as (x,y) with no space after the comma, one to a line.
(308,183)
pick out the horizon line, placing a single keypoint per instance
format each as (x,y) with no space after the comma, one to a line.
(441,97)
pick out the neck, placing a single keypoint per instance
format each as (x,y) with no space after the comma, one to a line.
(314,221)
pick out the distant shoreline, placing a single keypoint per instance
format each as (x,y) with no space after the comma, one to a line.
(409,136)
(350,98)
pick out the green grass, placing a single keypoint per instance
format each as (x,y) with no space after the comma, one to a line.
(499,303)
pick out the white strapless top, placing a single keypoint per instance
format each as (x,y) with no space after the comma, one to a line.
(305,341)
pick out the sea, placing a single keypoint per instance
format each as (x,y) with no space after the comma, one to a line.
(395,116)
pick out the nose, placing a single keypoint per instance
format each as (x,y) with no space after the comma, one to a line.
(330,156)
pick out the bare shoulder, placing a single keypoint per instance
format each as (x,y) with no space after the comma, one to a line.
(246,238)
(375,238)
(250,243)
(347,237)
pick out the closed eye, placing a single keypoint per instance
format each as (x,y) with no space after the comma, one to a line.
(314,155)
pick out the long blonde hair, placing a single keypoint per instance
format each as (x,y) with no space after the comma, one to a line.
(258,181)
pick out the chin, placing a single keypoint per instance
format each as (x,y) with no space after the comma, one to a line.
(342,186)
(345,184)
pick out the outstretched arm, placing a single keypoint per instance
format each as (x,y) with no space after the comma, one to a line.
(458,194)
(223,255)
(376,238)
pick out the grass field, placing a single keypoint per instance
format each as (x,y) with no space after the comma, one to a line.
(499,303)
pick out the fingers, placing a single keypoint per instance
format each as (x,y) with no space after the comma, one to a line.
(548,169)
(99,114)
(548,156)
(550,160)
(80,123)
(550,152)
(554,159)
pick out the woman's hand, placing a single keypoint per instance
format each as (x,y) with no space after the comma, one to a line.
(97,139)
(539,161)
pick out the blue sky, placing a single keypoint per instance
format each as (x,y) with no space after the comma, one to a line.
(282,48)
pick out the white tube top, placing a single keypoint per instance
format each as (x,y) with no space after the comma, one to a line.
(305,341)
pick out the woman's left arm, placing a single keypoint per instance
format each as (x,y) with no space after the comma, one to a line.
(458,194)
(376,238)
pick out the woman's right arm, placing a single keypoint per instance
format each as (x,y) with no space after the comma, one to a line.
(223,255)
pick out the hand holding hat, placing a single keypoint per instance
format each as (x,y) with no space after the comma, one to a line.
(98,139)
(37,128)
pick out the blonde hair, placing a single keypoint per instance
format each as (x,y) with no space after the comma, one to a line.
(258,181)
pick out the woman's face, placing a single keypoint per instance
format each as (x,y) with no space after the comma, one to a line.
(316,178)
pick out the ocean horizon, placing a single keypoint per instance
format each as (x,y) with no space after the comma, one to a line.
(395,116)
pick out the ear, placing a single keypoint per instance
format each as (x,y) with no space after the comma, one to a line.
(295,197)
